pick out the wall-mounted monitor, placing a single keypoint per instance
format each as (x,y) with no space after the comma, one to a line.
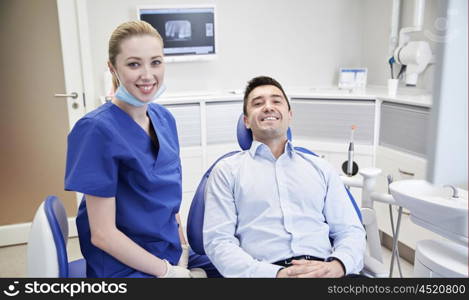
(188,32)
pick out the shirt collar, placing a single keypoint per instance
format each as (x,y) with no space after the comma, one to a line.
(258,148)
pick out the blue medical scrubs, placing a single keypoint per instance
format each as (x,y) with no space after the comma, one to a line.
(110,155)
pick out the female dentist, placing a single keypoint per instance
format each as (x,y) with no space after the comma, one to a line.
(124,158)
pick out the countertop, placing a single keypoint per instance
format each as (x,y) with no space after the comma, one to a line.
(405,95)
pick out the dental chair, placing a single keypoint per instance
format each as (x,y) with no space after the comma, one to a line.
(373,262)
(47,244)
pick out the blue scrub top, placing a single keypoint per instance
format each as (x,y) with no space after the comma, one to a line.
(110,155)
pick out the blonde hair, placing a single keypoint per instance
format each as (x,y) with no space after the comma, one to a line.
(125,31)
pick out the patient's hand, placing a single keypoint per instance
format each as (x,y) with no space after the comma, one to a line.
(283,273)
(314,269)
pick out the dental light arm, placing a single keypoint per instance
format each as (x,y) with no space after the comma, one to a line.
(416,55)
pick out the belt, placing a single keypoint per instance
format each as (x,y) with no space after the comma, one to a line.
(287,262)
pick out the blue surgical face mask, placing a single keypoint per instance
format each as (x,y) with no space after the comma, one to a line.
(124,95)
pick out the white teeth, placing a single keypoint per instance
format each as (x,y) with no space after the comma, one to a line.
(270,118)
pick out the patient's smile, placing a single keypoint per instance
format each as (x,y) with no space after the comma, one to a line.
(270,118)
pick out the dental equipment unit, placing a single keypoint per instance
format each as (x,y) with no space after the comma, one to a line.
(436,208)
(349,167)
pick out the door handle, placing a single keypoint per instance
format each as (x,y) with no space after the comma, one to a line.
(73,95)
(406,172)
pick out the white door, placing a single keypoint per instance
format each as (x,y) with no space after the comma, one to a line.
(40,57)
(72,63)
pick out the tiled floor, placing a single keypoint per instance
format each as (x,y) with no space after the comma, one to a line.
(13,260)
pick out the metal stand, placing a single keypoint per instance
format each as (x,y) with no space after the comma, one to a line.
(395,241)
(395,234)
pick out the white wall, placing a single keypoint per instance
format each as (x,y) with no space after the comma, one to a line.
(300,43)
(375,44)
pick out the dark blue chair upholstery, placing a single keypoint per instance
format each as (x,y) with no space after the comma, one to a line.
(75,269)
(195,219)
(196,212)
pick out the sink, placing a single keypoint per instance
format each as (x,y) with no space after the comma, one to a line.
(434,208)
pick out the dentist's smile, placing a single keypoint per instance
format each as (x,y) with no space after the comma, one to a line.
(146,88)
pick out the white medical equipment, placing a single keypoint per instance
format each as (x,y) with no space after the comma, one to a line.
(374,263)
(415,55)
(350,167)
(444,211)
(374,258)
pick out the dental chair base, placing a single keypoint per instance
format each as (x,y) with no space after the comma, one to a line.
(437,259)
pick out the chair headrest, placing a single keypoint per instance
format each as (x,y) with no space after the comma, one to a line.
(245,135)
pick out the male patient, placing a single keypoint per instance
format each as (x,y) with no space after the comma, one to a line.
(272,211)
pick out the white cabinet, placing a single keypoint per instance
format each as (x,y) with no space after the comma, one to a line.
(191,163)
(324,125)
(401,166)
(221,120)
(402,154)
(404,127)
(188,122)
(330,120)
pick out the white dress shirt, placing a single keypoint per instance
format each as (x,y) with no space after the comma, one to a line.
(259,210)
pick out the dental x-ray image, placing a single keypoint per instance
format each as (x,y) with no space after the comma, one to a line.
(187,32)
(178,30)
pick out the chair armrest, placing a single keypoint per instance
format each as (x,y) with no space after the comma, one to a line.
(383,198)
(374,268)
(352,181)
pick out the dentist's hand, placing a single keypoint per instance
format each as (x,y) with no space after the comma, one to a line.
(184,260)
(175,271)
(198,273)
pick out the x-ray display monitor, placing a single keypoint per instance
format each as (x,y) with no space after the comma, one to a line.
(188,32)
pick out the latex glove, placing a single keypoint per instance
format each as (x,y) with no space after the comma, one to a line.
(198,273)
(184,260)
(175,271)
